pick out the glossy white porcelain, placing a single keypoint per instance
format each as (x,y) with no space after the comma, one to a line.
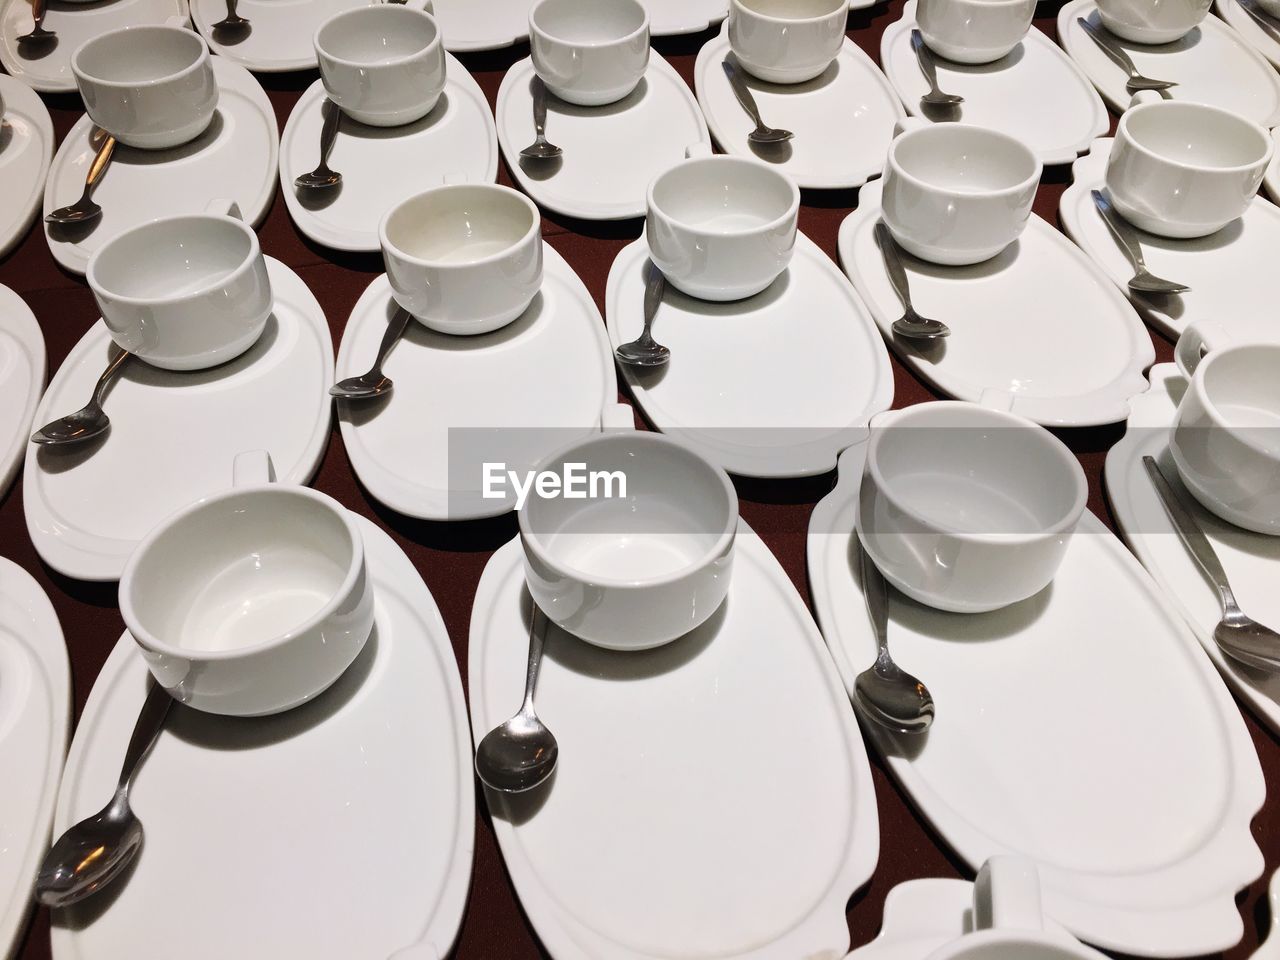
(25,159)
(1265,41)
(1152,21)
(22,375)
(589,56)
(957,194)
(469,26)
(383,64)
(966,508)
(974,31)
(282,38)
(722,228)
(463,258)
(787,41)
(149,86)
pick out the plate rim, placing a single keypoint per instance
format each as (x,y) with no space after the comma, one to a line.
(22,99)
(18,320)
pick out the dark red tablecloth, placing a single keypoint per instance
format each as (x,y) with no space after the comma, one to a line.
(450,557)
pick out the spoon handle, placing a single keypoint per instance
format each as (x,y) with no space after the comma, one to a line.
(1124,234)
(876,593)
(148,726)
(1266,23)
(540,108)
(113,367)
(38,9)
(99,165)
(1188,529)
(329,132)
(893,265)
(395,330)
(924,56)
(535,657)
(231,9)
(653,292)
(1113,51)
(742,92)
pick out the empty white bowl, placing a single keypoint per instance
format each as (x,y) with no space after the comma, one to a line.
(589,54)
(786,41)
(1152,21)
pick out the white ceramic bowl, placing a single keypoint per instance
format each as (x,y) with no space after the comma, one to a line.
(974,31)
(1152,21)
(786,41)
(463,258)
(638,571)
(722,228)
(589,54)
(967,509)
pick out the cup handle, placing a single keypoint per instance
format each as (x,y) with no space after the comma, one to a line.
(1006,895)
(182,23)
(252,468)
(224,208)
(696,150)
(1144,96)
(907,124)
(1196,341)
(617,418)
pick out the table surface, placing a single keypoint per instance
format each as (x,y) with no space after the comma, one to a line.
(450,557)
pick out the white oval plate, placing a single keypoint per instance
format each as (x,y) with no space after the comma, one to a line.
(611,153)
(455,142)
(526,389)
(1264,41)
(173,435)
(1226,271)
(35,715)
(1083,728)
(22,372)
(1212,64)
(26,150)
(772,386)
(280,35)
(1035,94)
(235,159)
(712,796)
(74,23)
(1041,289)
(468,25)
(1252,560)
(823,155)
(364,796)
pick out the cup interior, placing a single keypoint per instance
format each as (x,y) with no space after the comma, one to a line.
(602,21)
(1244,392)
(172,258)
(966,470)
(460,224)
(242,571)
(964,159)
(794,10)
(724,195)
(137,55)
(1194,135)
(678,513)
(376,35)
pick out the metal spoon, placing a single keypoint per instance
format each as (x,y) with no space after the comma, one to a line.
(1143,280)
(232,23)
(1117,55)
(84,209)
(644,351)
(761,134)
(1264,20)
(1238,635)
(90,420)
(518,755)
(321,178)
(884,692)
(929,67)
(910,325)
(38,36)
(93,852)
(541,148)
(374,383)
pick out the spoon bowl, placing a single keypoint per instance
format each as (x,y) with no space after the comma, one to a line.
(540,149)
(85,424)
(319,179)
(644,351)
(894,699)
(374,383)
(1244,639)
(90,856)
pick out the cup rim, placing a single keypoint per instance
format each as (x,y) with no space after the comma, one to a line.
(591,45)
(201,59)
(1196,382)
(799,21)
(1133,142)
(720,159)
(149,640)
(1031,180)
(530,540)
(401,9)
(1060,450)
(532,233)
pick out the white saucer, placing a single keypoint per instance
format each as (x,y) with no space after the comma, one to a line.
(1082,728)
(1035,94)
(22,375)
(74,23)
(280,35)
(1042,288)
(1211,64)
(772,386)
(174,435)
(1226,272)
(469,26)
(235,159)
(364,797)
(1252,560)
(35,716)
(611,153)
(712,797)
(1265,42)
(26,150)
(511,396)
(823,154)
(456,141)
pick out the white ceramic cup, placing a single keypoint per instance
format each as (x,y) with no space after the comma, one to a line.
(636,571)
(149,86)
(955,193)
(974,31)
(589,54)
(184,292)
(722,228)
(1184,169)
(383,64)
(1225,439)
(464,258)
(966,508)
(1152,21)
(252,601)
(786,41)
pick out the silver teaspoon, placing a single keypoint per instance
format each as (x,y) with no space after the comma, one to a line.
(232,24)
(93,852)
(520,754)
(321,178)
(1237,634)
(761,134)
(928,67)
(90,420)
(541,148)
(374,383)
(910,325)
(1143,280)
(1117,55)
(39,36)
(644,351)
(84,209)
(884,692)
